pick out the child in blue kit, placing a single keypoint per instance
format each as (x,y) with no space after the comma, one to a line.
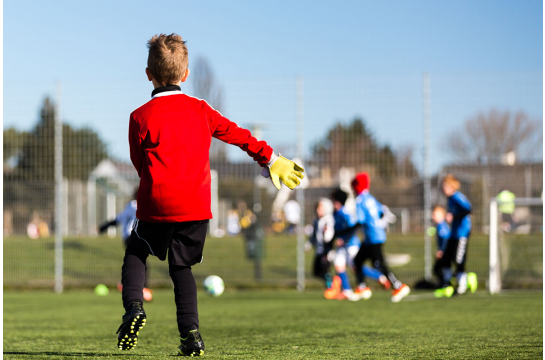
(442,234)
(347,246)
(455,250)
(370,215)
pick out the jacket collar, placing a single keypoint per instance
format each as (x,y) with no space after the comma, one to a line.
(166,90)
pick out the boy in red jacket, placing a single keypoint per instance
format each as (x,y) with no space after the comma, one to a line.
(169,140)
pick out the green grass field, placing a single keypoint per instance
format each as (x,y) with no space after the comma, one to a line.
(90,261)
(283,324)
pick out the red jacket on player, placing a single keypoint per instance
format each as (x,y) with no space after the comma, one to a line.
(169,140)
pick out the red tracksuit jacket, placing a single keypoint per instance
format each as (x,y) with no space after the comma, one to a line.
(169,140)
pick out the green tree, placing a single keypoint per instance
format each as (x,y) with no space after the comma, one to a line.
(353,145)
(13,145)
(82,149)
(29,175)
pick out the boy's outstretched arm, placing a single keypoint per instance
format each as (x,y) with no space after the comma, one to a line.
(277,167)
(104,226)
(345,231)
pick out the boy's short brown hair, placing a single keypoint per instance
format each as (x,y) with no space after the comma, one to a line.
(167,58)
(452,181)
(439,208)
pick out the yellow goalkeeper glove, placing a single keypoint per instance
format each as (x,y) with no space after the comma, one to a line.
(281,169)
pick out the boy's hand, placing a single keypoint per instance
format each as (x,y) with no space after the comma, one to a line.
(339,242)
(285,170)
(439,254)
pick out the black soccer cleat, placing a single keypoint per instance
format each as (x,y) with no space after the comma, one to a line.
(133,321)
(192,345)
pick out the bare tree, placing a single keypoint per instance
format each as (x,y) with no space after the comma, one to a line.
(485,138)
(205,87)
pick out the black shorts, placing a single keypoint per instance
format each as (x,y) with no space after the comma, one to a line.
(373,252)
(183,240)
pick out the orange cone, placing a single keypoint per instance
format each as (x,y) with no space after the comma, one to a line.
(148,294)
(334,290)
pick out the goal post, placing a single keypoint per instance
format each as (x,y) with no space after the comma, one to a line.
(499,255)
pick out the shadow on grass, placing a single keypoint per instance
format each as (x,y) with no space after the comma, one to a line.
(68,354)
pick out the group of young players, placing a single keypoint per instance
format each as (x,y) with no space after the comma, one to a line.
(336,241)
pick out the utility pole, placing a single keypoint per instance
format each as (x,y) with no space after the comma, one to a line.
(300,193)
(58,192)
(426,89)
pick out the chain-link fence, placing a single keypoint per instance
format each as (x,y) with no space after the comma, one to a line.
(342,126)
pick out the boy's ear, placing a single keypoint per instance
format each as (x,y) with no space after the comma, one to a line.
(186,74)
(148,73)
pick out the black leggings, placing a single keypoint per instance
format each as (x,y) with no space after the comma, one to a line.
(373,252)
(133,277)
(455,253)
(438,270)
(321,268)
(125,243)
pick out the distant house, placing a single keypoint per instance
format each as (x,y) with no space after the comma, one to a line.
(120,175)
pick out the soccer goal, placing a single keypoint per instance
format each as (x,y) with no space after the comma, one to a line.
(516,244)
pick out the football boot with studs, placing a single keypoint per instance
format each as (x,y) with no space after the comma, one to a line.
(192,345)
(133,321)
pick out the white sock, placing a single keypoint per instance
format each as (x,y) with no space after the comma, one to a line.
(462,282)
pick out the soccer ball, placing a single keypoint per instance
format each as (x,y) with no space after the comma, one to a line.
(213,285)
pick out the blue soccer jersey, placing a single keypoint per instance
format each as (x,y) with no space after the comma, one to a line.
(460,208)
(443,234)
(369,213)
(343,221)
(126,219)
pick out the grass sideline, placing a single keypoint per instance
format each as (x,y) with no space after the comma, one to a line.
(281,325)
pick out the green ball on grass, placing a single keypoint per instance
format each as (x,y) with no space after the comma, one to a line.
(101,290)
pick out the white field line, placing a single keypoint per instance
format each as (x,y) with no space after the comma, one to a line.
(425,296)
(431,296)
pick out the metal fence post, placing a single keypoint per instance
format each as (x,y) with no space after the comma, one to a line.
(494,284)
(300,193)
(58,192)
(427,179)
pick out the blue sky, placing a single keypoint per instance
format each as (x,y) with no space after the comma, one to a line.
(357,58)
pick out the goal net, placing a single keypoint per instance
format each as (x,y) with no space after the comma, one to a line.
(516,244)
